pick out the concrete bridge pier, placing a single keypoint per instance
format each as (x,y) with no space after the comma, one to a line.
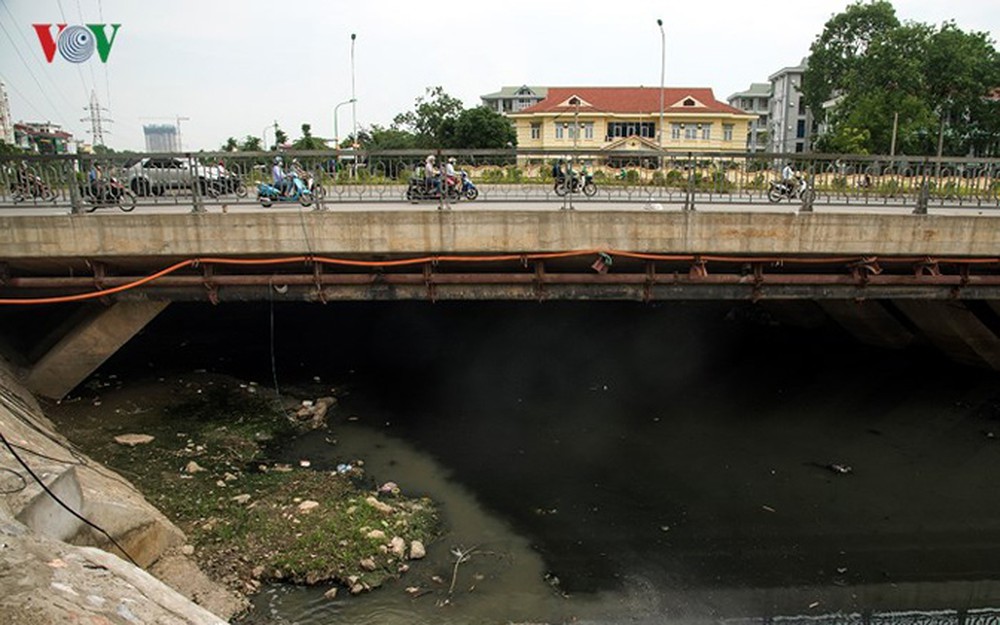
(954,329)
(869,322)
(94,337)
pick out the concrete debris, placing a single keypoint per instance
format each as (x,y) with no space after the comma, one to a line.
(308,505)
(133,439)
(417,550)
(398,547)
(193,467)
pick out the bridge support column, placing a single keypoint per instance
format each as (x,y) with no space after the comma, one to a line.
(869,322)
(956,330)
(92,341)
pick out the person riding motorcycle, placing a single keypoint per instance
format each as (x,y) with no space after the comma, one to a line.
(790,179)
(280,179)
(432,178)
(451,178)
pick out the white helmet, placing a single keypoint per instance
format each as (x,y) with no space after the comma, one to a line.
(452,160)
(430,158)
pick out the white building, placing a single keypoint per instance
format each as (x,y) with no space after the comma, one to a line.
(161,138)
(790,119)
(757,101)
(514,99)
(6,123)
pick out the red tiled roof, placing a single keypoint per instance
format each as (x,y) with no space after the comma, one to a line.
(645,100)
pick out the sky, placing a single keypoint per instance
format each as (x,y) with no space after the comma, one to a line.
(233,68)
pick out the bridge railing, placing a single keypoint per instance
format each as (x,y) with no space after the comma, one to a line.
(681,178)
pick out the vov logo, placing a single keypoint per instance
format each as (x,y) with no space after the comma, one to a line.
(76,43)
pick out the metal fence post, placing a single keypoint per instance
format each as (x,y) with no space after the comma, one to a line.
(689,191)
(75,201)
(198,205)
(810,192)
(925,192)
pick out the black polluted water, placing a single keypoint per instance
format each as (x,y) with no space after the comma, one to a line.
(630,462)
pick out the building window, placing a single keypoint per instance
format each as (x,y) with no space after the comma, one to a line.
(559,130)
(588,130)
(629,129)
(536,130)
(691,133)
(802,106)
(800,131)
(675,131)
(800,147)
(706,132)
(727,132)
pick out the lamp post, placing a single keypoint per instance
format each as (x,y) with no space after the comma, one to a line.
(354,108)
(336,132)
(263,136)
(663,64)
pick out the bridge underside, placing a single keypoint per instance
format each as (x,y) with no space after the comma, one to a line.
(892,302)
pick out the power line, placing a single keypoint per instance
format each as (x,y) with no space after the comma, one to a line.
(30,73)
(27,45)
(107,77)
(83,20)
(30,104)
(79,70)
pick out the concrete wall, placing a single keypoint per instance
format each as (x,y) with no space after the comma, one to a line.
(412,232)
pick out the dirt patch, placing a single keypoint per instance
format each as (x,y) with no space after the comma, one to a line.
(248,519)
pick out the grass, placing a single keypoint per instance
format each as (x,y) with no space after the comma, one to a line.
(242,512)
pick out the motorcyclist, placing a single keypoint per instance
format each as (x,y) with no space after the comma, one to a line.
(432,178)
(790,179)
(449,172)
(280,180)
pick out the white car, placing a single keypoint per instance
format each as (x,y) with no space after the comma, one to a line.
(153,175)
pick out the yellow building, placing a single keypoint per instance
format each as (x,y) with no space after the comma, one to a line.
(628,118)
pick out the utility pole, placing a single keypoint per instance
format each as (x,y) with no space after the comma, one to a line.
(96,120)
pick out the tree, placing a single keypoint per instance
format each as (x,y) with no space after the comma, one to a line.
(230,145)
(280,138)
(250,144)
(935,81)
(392,138)
(433,118)
(845,39)
(307,141)
(483,128)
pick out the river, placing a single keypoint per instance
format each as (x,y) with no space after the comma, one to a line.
(620,462)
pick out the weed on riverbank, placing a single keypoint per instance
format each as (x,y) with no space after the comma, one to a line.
(249,518)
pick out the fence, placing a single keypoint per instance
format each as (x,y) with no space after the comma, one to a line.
(685,179)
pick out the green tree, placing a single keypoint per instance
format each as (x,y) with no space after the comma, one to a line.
(835,53)
(250,144)
(280,137)
(231,145)
(933,80)
(307,141)
(483,128)
(391,138)
(9,148)
(433,119)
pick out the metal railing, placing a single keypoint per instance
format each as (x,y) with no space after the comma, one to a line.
(685,180)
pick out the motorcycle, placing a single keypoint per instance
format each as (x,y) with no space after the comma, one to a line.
(430,189)
(315,188)
(466,188)
(584,183)
(108,193)
(268,194)
(31,187)
(780,190)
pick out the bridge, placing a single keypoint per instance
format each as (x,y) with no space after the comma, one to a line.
(896,253)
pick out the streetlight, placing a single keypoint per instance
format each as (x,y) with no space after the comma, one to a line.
(336,132)
(663,64)
(263,136)
(354,98)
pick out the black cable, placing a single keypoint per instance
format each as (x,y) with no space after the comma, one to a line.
(59,501)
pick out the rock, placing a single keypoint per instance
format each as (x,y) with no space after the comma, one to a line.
(257,572)
(417,550)
(229,477)
(357,589)
(308,505)
(241,499)
(397,546)
(330,594)
(305,464)
(384,508)
(187,550)
(193,467)
(368,564)
(133,439)
(376,535)
(389,488)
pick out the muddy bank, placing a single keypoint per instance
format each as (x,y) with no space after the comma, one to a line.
(199,447)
